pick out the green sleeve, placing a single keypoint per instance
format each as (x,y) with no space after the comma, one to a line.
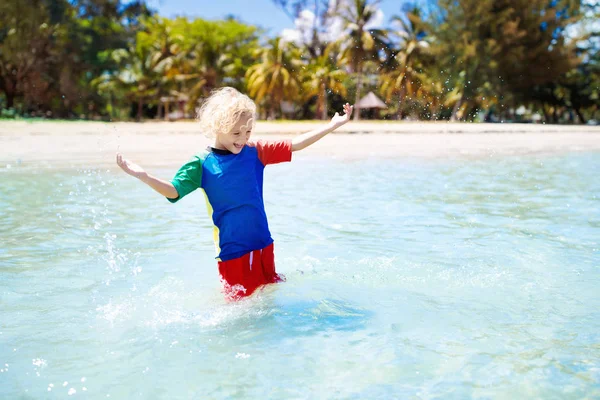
(188,178)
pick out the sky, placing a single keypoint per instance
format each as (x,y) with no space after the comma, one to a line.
(258,12)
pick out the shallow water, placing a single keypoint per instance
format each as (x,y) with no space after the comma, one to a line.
(406,278)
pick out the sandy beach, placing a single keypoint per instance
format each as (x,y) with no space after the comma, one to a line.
(164,143)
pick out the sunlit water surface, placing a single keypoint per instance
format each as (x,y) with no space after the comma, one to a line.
(406,278)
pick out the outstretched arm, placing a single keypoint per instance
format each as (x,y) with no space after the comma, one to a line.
(163,187)
(308,138)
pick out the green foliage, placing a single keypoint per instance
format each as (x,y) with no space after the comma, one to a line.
(401,75)
(497,47)
(449,59)
(8,113)
(276,77)
(51,49)
(361,45)
(321,76)
(180,61)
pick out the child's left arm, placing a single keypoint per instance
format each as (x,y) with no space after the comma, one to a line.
(308,138)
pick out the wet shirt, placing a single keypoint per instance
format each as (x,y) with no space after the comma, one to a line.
(233,188)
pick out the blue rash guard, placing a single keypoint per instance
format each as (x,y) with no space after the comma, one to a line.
(233,188)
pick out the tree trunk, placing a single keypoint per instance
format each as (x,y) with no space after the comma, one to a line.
(9,87)
(456,107)
(10,100)
(140,109)
(324,102)
(358,93)
(401,98)
(280,108)
(546,116)
(271,112)
(435,114)
(580,115)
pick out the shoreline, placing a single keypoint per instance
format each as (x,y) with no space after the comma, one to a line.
(8,127)
(171,143)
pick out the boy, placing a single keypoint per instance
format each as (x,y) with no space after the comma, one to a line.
(230,173)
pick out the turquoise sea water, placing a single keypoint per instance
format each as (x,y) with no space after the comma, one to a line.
(406,278)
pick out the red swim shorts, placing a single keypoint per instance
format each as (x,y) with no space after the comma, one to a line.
(242,276)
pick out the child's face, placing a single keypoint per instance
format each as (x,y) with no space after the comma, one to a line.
(236,139)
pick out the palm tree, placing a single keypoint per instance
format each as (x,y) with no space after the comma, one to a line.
(276,77)
(320,76)
(142,75)
(145,68)
(201,69)
(401,76)
(212,52)
(361,44)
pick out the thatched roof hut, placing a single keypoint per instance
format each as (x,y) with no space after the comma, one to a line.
(370,101)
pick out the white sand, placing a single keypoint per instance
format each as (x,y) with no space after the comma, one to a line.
(163,143)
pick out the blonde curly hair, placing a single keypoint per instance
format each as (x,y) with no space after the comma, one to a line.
(222,110)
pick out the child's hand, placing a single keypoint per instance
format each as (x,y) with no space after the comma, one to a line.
(129,167)
(339,120)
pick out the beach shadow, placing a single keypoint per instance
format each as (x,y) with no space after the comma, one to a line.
(296,318)
(271,315)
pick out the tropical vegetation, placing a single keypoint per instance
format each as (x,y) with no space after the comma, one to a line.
(465,60)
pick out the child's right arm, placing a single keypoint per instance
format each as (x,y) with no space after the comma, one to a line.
(163,187)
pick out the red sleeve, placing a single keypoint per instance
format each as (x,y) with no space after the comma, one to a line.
(274,151)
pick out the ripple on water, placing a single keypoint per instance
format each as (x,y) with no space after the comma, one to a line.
(446,278)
